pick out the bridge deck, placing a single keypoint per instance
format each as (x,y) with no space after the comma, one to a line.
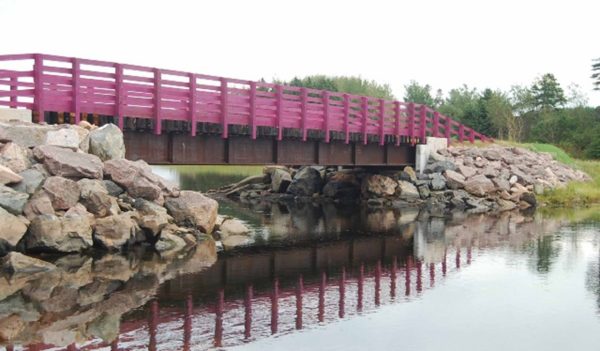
(315,126)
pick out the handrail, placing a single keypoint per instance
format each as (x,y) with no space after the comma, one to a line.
(60,84)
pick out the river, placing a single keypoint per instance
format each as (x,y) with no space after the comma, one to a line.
(323,277)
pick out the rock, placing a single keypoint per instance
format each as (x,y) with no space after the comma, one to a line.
(378,185)
(342,186)
(466,171)
(114,232)
(513,180)
(529,198)
(169,242)
(31,182)
(107,142)
(14,157)
(68,163)
(152,216)
(7,176)
(408,191)
(233,226)
(454,180)
(16,262)
(12,201)
(193,209)
(280,180)
(505,205)
(439,167)
(234,241)
(492,154)
(27,135)
(411,173)
(11,327)
(136,177)
(424,192)
(105,327)
(479,185)
(112,188)
(11,232)
(438,182)
(64,193)
(64,137)
(501,183)
(306,182)
(59,234)
(80,210)
(95,198)
(38,204)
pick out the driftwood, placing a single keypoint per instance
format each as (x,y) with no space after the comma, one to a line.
(232,188)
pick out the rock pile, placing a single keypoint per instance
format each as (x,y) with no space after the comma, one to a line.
(472,179)
(68,188)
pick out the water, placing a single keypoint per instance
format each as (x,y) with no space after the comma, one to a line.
(330,278)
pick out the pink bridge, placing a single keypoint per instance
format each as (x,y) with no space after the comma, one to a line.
(236,121)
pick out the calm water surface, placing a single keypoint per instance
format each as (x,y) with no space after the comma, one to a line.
(328,278)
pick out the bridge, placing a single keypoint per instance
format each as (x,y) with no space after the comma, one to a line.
(174,117)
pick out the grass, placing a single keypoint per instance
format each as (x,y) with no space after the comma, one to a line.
(575,194)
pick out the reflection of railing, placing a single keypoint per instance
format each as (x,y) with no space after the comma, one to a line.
(79,87)
(281,309)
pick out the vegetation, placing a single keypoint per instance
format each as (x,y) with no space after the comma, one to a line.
(351,85)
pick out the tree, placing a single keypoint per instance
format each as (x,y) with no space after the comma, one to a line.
(350,85)
(575,96)
(596,74)
(500,112)
(547,93)
(419,94)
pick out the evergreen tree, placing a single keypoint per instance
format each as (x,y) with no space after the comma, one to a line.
(547,93)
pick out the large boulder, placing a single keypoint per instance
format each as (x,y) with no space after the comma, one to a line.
(16,262)
(378,185)
(15,157)
(32,180)
(64,137)
(280,180)
(27,135)
(11,232)
(193,209)
(408,191)
(233,226)
(116,231)
(466,171)
(169,243)
(439,167)
(343,186)
(7,176)
(59,234)
(438,182)
(306,182)
(454,180)
(12,201)
(136,177)
(479,185)
(107,142)
(64,193)
(65,162)
(96,199)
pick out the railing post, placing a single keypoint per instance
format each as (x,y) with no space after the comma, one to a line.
(326,114)
(411,120)
(397,120)
(224,109)
(365,117)
(347,118)
(253,110)
(248,311)
(381,121)
(279,97)
(157,102)
(75,69)
(38,100)
(275,306)
(303,112)
(471,135)
(299,293)
(14,87)
(423,123)
(193,104)
(341,304)
(448,129)
(461,132)
(119,100)
(436,123)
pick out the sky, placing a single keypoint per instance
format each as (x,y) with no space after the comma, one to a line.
(484,44)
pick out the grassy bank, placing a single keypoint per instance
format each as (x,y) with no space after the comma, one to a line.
(575,193)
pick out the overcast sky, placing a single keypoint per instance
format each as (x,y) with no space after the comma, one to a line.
(443,43)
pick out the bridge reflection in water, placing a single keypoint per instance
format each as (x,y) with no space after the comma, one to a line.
(272,291)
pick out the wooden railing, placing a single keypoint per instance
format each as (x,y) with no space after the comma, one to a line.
(79,87)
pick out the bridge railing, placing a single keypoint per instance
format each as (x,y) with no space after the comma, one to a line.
(77,86)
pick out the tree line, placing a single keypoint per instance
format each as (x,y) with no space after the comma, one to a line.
(540,112)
